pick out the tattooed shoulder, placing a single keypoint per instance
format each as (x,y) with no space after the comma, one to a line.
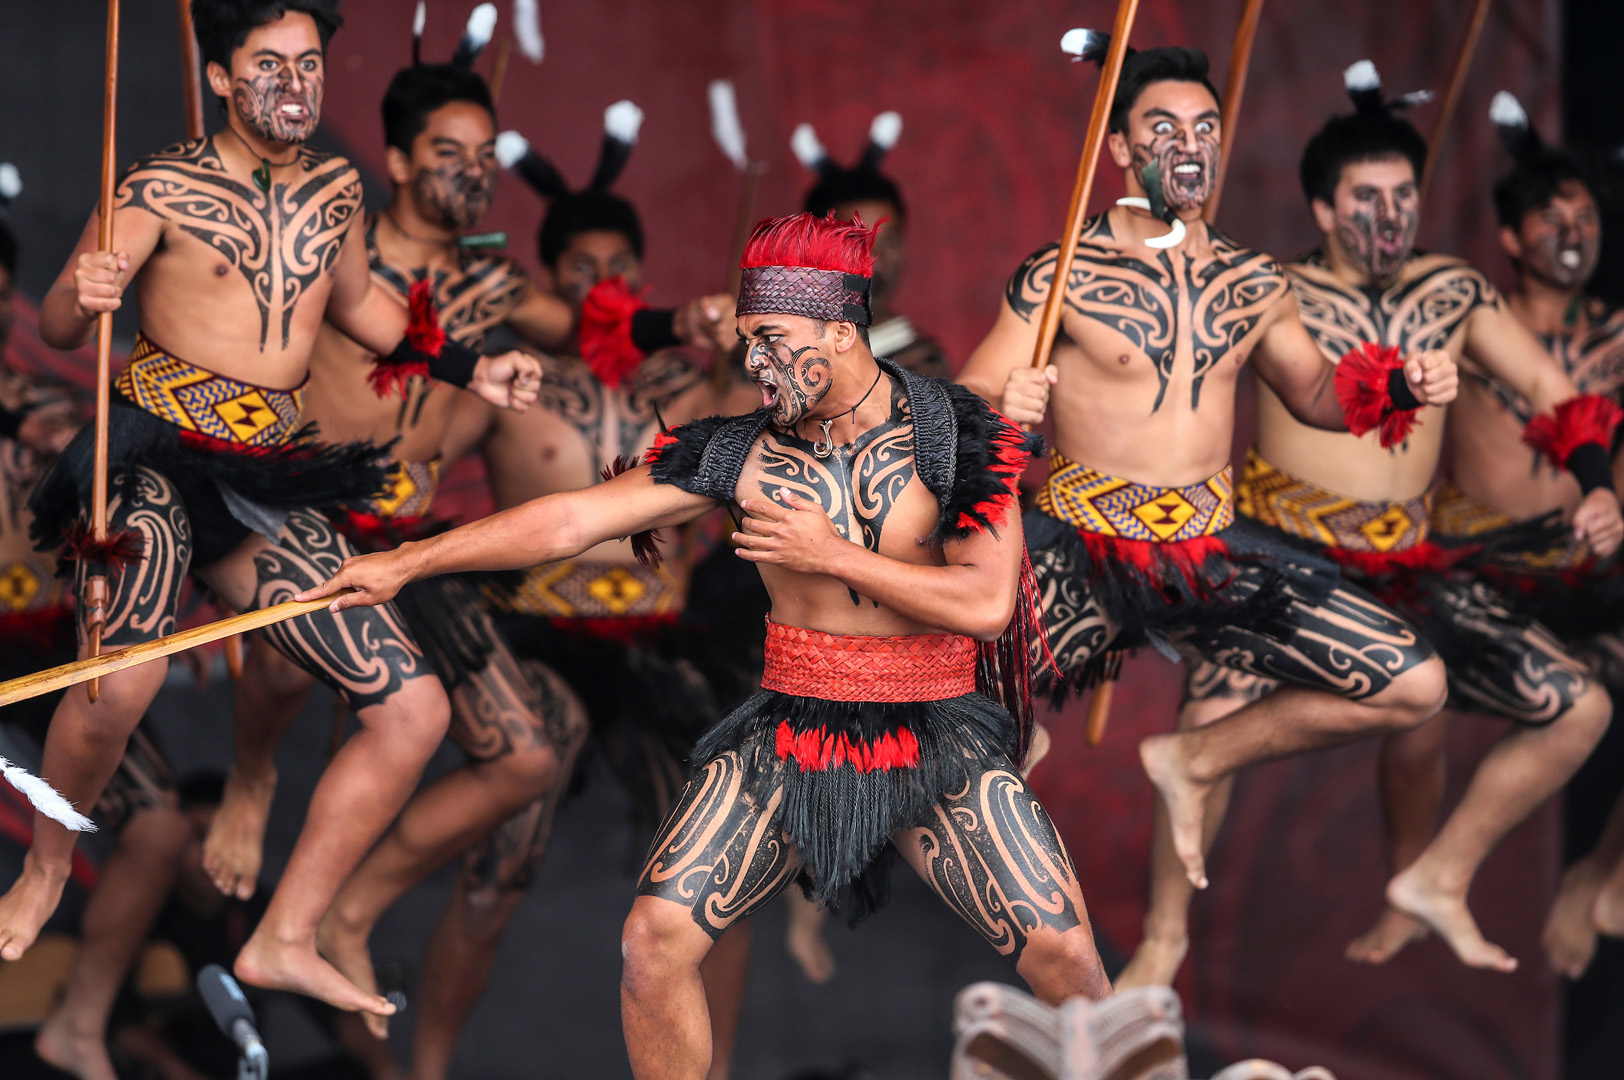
(280,242)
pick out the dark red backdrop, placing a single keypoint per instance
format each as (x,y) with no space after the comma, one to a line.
(993,123)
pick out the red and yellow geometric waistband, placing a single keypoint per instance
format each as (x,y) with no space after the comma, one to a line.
(205,403)
(1128,510)
(587,589)
(409,489)
(1300,508)
(1460,517)
(838,667)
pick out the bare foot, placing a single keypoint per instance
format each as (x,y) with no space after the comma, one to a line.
(804,940)
(1570,929)
(346,947)
(1445,912)
(296,967)
(82,1053)
(26,906)
(1607,912)
(236,841)
(1038,750)
(1185,799)
(1392,932)
(1154,963)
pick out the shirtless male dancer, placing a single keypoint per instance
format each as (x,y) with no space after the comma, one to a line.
(1366,501)
(239,245)
(440,128)
(1134,536)
(882,514)
(1550,227)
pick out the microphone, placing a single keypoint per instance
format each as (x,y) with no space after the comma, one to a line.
(235,1018)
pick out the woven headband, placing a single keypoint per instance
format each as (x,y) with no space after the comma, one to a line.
(801,290)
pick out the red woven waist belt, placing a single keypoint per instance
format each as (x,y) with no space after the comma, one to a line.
(835,667)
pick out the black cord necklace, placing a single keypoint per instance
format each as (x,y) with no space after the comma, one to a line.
(262,175)
(826,446)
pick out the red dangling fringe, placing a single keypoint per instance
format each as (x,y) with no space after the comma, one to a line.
(1009,461)
(1361,387)
(1424,556)
(645,545)
(120,549)
(1155,560)
(606,331)
(376,532)
(1581,419)
(815,750)
(661,440)
(36,629)
(1004,667)
(621,629)
(212,444)
(423,333)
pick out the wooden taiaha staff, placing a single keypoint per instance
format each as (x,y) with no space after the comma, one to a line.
(1240,60)
(96,587)
(93,666)
(190,74)
(1457,83)
(1099,706)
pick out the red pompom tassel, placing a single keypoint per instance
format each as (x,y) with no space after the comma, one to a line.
(423,333)
(120,549)
(606,331)
(1584,418)
(1361,387)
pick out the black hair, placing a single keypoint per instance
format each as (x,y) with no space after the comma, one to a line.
(838,186)
(416,92)
(1168,63)
(591,210)
(223,25)
(1366,135)
(8,251)
(1534,182)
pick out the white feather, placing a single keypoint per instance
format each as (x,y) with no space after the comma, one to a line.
(725,126)
(527,29)
(1506,111)
(11,181)
(1361,75)
(622,120)
(1076,41)
(511,147)
(421,17)
(808,150)
(1416,97)
(45,798)
(886,129)
(481,25)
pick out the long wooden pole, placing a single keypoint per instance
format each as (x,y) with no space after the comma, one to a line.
(96,619)
(1084,187)
(1457,83)
(92,667)
(743,221)
(1240,59)
(191,76)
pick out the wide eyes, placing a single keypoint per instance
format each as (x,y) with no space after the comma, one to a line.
(1162,127)
(1204,127)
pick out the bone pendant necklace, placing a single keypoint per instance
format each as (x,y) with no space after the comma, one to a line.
(822,448)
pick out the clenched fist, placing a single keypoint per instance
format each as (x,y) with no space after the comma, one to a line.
(1432,377)
(510,381)
(1026,394)
(1597,522)
(99,282)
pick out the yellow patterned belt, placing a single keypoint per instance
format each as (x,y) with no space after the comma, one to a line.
(28,584)
(584,589)
(1110,506)
(1278,499)
(1460,517)
(205,403)
(409,489)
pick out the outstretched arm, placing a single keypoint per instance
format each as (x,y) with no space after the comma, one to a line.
(1291,363)
(973,594)
(543,530)
(542,318)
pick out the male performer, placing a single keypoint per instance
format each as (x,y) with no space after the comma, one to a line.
(520,735)
(1550,227)
(1132,536)
(239,245)
(863,192)
(1366,502)
(882,512)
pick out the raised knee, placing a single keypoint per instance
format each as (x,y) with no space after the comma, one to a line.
(1416,694)
(123,698)
(416,717)
(655,942)
(1061,966)
(1587,719)
(533,769)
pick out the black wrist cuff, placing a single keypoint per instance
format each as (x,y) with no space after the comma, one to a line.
(1590,466)
(1398,389)
(10,423)
(654,329)
(454,364)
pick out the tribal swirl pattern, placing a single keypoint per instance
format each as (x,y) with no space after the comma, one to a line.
(1424,311)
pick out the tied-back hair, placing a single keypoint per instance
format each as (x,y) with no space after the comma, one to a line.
(1374,131)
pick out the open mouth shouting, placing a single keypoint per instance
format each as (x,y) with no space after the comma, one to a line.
(768,388)
(1187,176)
